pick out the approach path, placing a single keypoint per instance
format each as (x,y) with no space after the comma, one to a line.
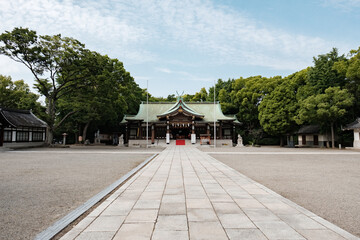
(186,194)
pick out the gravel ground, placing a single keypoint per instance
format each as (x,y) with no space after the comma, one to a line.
(40,186)
(324,181)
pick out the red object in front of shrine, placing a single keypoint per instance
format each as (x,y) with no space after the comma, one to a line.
(180,142)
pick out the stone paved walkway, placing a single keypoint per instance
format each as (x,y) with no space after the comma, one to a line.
(186,194)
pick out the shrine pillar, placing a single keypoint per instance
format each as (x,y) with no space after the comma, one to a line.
(167,132)
(140,132)
(152,134)
(193,135)
(220,130)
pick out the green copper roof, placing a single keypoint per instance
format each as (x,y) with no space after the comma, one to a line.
(180,104)
(154,110)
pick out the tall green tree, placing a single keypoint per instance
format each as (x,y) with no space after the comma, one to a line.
(222,94)
(278,109)
(325,109)
(350,68)
(322,75)
(106,99)
(248,94)
(55,62)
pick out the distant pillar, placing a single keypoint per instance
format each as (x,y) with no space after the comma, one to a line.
(167,133)
(193,135)
(127,133)
(356,138)
(140,131)
(220,130)
(13,135)
(152,134)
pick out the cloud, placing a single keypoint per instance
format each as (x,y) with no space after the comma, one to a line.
(183,75)
(162,30)
(164,70)
(345,5)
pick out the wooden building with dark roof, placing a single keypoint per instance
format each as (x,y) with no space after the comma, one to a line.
(21,128)
(311,136)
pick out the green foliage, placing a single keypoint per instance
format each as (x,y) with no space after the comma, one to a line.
(169,98)
(323,75)
(110,94)
(187,97)
(200,96)
(247,96)
(74,80)
(325,108)
(278,109)
(351,69)
(17,95)
(55,62)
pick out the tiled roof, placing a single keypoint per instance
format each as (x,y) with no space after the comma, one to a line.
(180,104)
(21,118)
(353,125)
(201,109)
(308,129)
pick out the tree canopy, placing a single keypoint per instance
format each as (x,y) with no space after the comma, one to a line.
(17,95)
(66,72)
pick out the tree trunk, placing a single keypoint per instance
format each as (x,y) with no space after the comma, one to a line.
(49,136)
(76,138)
(85,130)
(281,141)
(332,136)
(50,129)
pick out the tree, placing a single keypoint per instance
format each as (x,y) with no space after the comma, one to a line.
(171,98)
(55,62)
(322,75)
(200,96)
(227,106)
(247,96)
(223,90)
(350,68)
(278,109)
(325,109)
(17,95)
(106,99)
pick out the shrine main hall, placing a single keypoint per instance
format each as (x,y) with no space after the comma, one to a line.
(188,123)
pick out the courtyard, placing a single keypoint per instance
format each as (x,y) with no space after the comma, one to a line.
(44,185)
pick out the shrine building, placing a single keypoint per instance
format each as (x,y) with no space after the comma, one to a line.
(21,128)
(191,123)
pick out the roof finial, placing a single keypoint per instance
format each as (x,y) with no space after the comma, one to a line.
(179,96)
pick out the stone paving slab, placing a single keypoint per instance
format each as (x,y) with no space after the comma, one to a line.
(186,194)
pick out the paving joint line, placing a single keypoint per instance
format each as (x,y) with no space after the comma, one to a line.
(213,208)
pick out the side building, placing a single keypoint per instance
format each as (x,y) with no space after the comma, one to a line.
(21,128)
(192,122)
(355,127)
